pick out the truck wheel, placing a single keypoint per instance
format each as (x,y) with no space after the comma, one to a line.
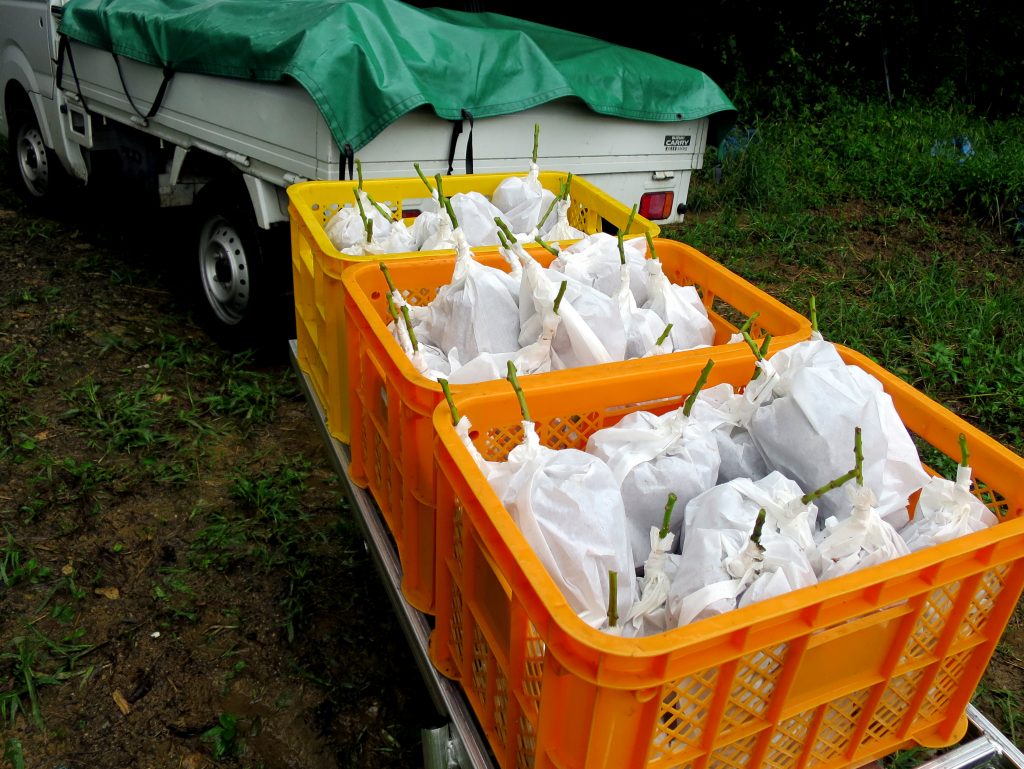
(39,176)
(243,291)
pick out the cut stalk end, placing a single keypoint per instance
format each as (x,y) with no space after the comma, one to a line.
(755,536)
(965,455)
(668,515)
(423,178)
(448,397)
(387,276)
(613,599)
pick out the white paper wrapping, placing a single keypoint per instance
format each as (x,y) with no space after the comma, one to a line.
(567,505)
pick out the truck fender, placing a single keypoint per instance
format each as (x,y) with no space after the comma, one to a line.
(17,74)
(269,201)
(15,71)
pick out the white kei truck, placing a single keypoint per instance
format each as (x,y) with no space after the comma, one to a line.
(229,146)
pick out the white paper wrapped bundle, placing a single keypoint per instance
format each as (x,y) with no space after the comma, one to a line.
(652,456)
(679,305)
(740,456)
(650,613)
(595,261)
(346,229)
(735,505)
(946,510)
(476,214)
(816,399)
(560,229)
(475,312)
(642,327)
(861,539)
(590,331)
(567,505)
(523,200)
(428,360)
(723,569)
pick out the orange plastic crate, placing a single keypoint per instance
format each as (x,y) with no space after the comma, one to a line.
(833,675)
(392,404)
(317,265)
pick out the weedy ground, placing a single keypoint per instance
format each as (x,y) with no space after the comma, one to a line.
(180,581)
(178,573)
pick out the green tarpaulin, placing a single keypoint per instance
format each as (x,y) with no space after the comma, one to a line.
(368,62)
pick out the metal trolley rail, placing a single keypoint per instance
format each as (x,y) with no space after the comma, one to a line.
(459,743)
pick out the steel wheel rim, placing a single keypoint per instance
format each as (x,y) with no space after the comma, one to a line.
(33,162)
(224,270)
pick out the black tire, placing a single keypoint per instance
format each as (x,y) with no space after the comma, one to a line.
(243,282)
(38,175)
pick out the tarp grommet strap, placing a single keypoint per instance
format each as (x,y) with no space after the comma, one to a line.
(168,72)
(466,114)
(64,49)
(348,160)
(456,130)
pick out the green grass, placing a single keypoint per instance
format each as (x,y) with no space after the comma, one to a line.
(849,204)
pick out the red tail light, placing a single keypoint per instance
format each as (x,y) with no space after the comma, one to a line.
(656,205)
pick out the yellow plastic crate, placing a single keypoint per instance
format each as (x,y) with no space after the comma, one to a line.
(392,404)
(317,265)
(833,675)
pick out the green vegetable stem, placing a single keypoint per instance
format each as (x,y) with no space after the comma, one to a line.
(405,309)
(668,515)
(814,313)
(629,221)
(367,223)
(386,213)
(965,455)
(650,245)
(359,171)
(749,321)
(536,141)
(547,247)
(759,352)
(448,397)
(613,598)
(561,293)
(755,536)
(504,228)
(423,178)
(664,335)
(703,380)
(622,249)
(451,213)
(519,391)
(857,472)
